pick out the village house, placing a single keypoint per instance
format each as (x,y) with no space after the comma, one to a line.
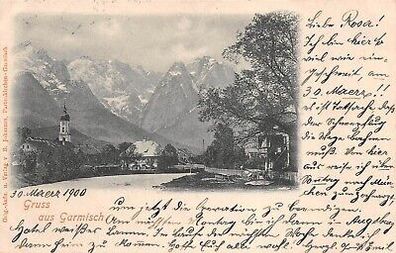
(35,144)
(273,149)
(142,154)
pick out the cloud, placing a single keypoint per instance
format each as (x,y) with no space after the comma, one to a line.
(182,53)
(154,42)
(184,24)
(108,28)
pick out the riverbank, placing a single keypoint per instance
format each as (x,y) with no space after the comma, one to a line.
(136,181)
(210,181)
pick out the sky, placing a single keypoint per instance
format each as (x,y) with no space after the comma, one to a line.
(154,42)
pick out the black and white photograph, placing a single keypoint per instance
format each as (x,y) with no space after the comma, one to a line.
(161,102)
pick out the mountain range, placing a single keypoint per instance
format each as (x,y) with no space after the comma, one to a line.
(172,110)
(112,101)
(44,85)
(120,88)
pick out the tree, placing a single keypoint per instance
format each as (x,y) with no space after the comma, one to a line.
(23,133)
(223,151)
(123,146)
(168,157)
(127,152)
(264,96)
(109,154)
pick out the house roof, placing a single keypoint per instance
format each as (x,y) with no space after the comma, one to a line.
(147,147)
(144,148)
(41,143)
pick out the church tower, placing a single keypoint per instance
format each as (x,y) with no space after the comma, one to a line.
(64,127)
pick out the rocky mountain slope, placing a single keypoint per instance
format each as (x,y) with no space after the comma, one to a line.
(172,110)
(88,115)
(172,99)
(121,89)
(34,106)
(114,102)
(208,72)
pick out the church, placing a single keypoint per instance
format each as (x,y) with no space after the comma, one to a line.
(35,144)
(64,127)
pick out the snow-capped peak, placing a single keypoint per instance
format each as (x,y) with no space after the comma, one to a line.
(178,66)
(208,72)
(121,88)
(177,69)
(51,73)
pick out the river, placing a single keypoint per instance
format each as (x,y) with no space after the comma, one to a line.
(141,181)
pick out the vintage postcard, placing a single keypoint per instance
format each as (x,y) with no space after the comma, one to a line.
(197,126)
